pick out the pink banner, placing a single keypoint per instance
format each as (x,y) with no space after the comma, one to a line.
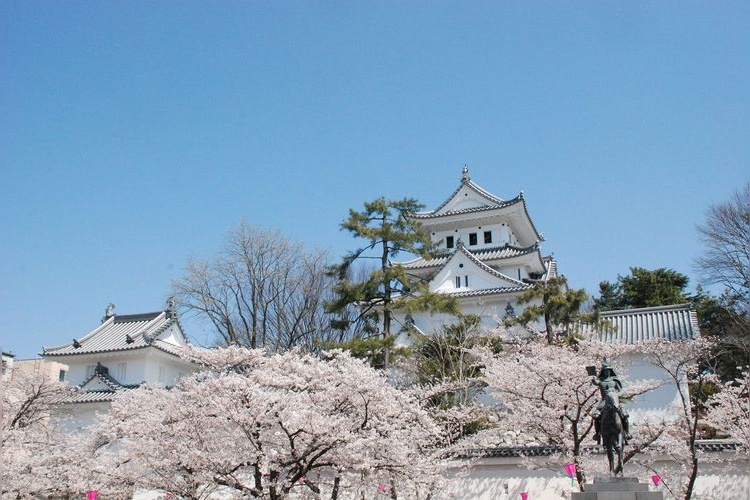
(570,470)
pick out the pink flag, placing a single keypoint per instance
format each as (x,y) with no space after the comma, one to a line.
(92,495)
(570,469)
(524,495)
(656,478)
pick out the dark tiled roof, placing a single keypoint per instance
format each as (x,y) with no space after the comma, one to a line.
(632,326)
(122,333)
(493,201)
(88,397)
(489,291)
(544,451)
(81,395)
(435,214)
(105,378)
(484,254)
(466,181)
(487,268)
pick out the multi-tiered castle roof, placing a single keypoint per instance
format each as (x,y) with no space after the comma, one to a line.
(491,253)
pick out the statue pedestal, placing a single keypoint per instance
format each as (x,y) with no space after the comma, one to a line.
(617,488)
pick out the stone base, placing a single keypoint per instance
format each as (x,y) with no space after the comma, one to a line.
(617,488)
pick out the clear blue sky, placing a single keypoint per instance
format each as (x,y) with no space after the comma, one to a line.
(134,135)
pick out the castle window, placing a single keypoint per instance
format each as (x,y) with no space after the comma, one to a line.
(466,281)
(121,372)
(488,236)
(449,241)
(61,376)
(472,238)
(458,281)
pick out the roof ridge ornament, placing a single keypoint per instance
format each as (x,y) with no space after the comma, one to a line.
(109,312)
(465,174)
(171,307)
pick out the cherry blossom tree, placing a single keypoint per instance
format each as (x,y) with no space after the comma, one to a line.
(277,426)
(678,361)
(40,460)
(729,409)
(545,397)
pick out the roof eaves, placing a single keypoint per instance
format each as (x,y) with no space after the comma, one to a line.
(542,451)
(489,291)
(483,192)
(465,181)
(539,236)
(105,324)
(487,268)
(685,306)
(97,351)
(434,214)
(172,349)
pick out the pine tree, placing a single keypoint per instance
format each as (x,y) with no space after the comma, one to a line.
(387,230)
(643,288)
(557,305)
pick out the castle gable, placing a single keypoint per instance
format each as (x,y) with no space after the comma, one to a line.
(464,273)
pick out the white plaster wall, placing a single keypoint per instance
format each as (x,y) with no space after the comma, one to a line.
(134,370)
(7,367)
(445,280)
(543,479)
(501,234)
(171,370)
(172,336)
(141,366)
(656,402)
(77,373)
(505,479)
(490,312)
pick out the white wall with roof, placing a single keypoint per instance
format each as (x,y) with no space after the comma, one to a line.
(543,478)
(7,366)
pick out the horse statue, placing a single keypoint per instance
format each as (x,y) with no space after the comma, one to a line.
(612,432)
(611,423)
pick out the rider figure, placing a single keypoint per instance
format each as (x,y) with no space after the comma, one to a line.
(608,381)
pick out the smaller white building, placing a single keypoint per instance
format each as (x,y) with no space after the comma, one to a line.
(123,352)
(7,366)
(636,326)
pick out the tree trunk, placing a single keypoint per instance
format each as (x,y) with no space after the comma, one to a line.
(548,327)
(335,490)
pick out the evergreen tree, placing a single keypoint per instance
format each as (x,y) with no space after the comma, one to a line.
(385,227)
(643,288)
(560,306)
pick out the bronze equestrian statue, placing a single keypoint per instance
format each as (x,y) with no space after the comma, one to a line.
(611,422)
